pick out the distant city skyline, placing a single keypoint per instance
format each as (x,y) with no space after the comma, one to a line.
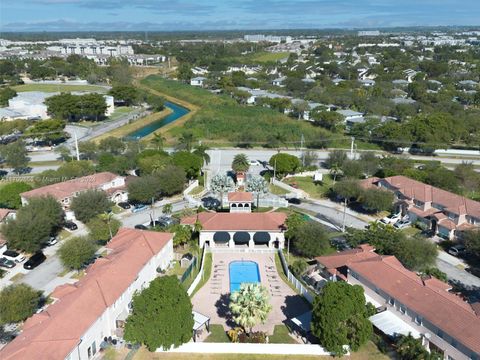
(173,15)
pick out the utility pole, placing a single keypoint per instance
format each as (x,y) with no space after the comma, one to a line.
(351,148)
(76,145)
(344,214)
(274,168)
(153,211)
(302,141)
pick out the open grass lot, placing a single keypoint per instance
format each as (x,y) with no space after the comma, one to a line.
(59,88)
(316,191)
(268,56)
(281,336)
(120,111)
(217,334)
(367,352)
(218,118)
(276,190)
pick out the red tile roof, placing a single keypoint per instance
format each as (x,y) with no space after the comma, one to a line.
(240,196)
(272,221)
(427,297)
(68,188)
(54,333)
(414,189)
(343,258)
(4,213)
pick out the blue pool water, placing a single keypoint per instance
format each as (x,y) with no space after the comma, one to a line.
(243,272)
(177,112)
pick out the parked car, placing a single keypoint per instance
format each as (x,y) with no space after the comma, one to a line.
(141,227)
(254,163)
(124,205)
(391,219)
(6,263)
(402,224)
(52,241)
(139,207)
(165,221)
(70,225)
(295,201)
(13,255)
(473,271)
(456,250)
(35,260)
(210,203)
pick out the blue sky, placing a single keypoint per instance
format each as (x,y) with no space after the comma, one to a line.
(95,15)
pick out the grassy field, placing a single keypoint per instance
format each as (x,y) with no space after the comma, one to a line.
(367,352)
(217,334)
(58,88)
(269,57)
(281,336)
(316,191)
(216,119)
(207,272)
(119,112)
(196,190)
(124,130)
(276,190)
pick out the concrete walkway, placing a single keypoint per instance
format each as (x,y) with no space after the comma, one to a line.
(213,298)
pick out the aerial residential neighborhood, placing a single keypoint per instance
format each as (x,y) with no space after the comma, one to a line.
(225,180)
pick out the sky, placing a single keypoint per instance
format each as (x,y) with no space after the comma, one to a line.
(172,15)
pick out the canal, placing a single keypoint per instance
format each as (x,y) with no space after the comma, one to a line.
(177,112)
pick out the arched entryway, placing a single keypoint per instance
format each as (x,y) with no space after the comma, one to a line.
(221,238)
(241,238)
(261,238)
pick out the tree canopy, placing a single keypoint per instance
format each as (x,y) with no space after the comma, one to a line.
(240,163)
(76,251)
(10,194)
(284,163)
(310,239)
(161,315)
(89,204)
(340,317)
(18,302)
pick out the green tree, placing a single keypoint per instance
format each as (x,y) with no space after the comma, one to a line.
(88,149)
(75,251)
(186,140)
(184,72)
(125,94)
(352,169)
(161,315)
(240,163)
(298,267)
(409,348)
(201,150)
(112,145)
(158,141)
(347,189)
(416,253)
(15,155)
(167,209)
(171,180)
(221,184)
(143,189)
(294,222)
(89,204)
(472,241)
(437,273)
(340,317)
(376,199)
(336,158)
(190,162)
(10,194)
(18,302)
(103,227)
(50,130)
(33,224)
(311,240)
(156,103)
(249,305)
(284,164)
(330,120)
(183,234)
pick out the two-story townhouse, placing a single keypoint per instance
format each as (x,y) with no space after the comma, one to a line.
(409,303)
(83,314)
(444,212)
(65,191)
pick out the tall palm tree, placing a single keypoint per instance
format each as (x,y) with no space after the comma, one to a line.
(201,150)
(107,219)
(240,163)
(221,184)
(186,140)
(249,305)
(158,140)
(167,209)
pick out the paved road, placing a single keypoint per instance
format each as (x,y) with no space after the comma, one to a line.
(129,219)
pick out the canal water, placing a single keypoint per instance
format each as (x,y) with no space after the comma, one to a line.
(177,112)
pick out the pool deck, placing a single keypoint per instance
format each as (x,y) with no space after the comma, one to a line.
(212,299)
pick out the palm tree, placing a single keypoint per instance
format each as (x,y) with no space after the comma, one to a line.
(240,163)
(249,305)
(186,140)
(335,170)
(257,185)
(158,140)
(201,150)
(221,184)
(107,218)
(167,209)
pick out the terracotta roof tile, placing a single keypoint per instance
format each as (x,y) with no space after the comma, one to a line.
(4,213)
(272,221)
(240,196)
(53,333)
(69,188)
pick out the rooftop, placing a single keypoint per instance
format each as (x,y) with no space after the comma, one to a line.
(272,221)
(240,196)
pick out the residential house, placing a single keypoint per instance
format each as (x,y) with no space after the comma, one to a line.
(279,81)
(408,303)
(351,117)
(240,202)
(446,213)
(240,230)
(83,314)
(199,71)
(65,191)
(198,81)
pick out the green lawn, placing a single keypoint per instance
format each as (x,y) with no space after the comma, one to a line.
(315,191)
(217,335)
(120,111)
(196,190)
(269,57)
(58,88)
(277,190)
(281,336)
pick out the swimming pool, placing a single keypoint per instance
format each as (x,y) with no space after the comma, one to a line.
(243,272)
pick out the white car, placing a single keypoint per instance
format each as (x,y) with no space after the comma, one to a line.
(391,219)
(13,255)
(254,163)
(402,224)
